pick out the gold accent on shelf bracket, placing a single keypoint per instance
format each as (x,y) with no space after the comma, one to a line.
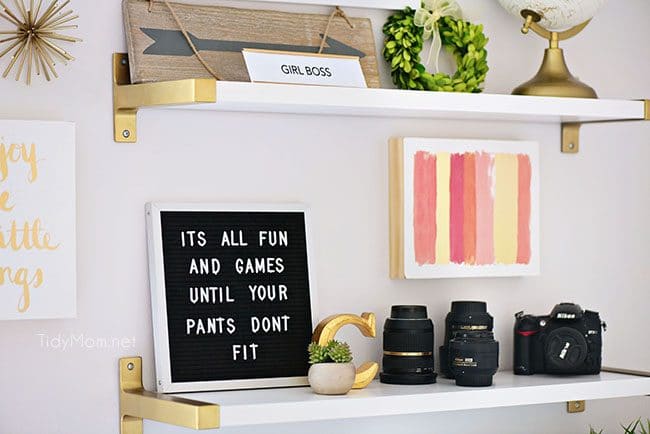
(137,404)
(571,130)
(127,97)
(576,406)
(571,137)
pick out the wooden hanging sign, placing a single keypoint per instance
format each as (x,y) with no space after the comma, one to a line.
(158,50)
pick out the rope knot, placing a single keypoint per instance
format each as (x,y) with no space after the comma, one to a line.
(337,12)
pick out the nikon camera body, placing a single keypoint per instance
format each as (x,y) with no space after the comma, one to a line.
(568,341)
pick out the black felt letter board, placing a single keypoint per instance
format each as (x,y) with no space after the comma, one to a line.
(218,328)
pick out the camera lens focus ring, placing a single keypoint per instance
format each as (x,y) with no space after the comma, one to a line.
(408,363)
(408,342)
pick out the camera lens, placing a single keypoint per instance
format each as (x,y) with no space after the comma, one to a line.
(408,347)
(474,358)
(464,316)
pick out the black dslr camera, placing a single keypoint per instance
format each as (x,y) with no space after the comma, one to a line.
(568,341)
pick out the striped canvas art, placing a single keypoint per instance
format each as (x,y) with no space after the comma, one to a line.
(469,208)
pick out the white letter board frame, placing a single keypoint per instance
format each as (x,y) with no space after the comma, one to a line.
(164,383)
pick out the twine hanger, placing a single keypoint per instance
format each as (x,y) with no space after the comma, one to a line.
(337,12)
(187,38)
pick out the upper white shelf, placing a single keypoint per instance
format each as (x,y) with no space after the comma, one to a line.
(299,99)
(367,4)
(257,407)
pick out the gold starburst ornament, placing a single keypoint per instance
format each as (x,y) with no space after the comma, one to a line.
(34,43)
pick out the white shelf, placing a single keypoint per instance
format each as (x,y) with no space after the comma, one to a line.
(299,99)
(367,4)
(268,406)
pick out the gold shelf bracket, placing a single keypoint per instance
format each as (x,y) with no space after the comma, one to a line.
(571,130)
(137,404)
(576,406)
(581,406)
(128,98)
(571,137)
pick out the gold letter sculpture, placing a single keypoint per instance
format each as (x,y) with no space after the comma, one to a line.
(366,323)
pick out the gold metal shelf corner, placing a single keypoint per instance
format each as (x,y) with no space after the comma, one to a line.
(576,406)
(137,404)
(571,130)
(128,98)
(581,406)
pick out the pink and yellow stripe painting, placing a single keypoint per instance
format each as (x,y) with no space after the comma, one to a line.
(472,208)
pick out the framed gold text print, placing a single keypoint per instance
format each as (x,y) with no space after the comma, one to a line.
(37,220)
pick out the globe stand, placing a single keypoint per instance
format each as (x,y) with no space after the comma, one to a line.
(553,77)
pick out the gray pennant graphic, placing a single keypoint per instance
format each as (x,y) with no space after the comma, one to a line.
(173,43)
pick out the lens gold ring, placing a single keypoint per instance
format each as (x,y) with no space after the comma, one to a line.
(407,354)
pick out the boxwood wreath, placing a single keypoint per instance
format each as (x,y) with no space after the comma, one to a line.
(463,39)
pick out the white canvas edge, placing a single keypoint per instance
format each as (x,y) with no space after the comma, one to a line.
(413,271)
(73,133)
(164,382)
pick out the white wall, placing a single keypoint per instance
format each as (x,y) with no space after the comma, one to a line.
(595,210)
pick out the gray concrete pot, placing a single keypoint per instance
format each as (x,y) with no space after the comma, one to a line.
(331,378)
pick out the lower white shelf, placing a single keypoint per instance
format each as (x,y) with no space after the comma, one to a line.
(255,407)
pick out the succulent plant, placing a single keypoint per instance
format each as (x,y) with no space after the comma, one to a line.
(332,352)
(339,352)
(317,354)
